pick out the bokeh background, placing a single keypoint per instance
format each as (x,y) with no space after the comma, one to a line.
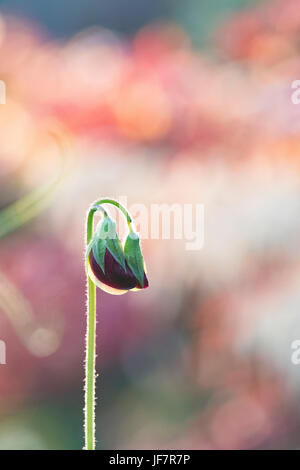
(161,102)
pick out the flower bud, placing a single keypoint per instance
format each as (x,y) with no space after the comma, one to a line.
(113,268)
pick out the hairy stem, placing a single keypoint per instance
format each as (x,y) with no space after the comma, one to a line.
(90,375)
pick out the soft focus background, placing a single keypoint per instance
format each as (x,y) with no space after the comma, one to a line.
(161,102)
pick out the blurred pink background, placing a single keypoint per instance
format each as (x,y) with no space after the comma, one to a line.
(201,359)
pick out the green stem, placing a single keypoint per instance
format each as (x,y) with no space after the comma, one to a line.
(90,374)
(118,205)
(30,206)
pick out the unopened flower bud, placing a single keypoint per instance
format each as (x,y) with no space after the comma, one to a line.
(112,267)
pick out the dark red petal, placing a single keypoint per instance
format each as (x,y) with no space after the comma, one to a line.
(114,276)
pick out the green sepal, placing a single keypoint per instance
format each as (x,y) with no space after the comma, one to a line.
(99,248)
(104,228)
(107,233)
(134,257)
(89,248)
